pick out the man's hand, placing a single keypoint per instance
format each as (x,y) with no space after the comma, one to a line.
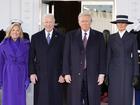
(33,78)
(61,79)
(100,79)
(68,78)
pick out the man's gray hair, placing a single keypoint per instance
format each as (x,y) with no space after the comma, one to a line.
(85,13)
(49,15)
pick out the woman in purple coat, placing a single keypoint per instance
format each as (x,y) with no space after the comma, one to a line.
(14,66)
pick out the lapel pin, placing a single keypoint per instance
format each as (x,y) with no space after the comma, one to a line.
(55,36)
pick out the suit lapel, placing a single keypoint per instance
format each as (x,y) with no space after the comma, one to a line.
(118,39)
(118,36)
(91,38)
(125,35)
(79,39)
(53,39)
(43,39)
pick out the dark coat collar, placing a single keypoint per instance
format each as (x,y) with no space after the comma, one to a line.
(55,35)
(79,38)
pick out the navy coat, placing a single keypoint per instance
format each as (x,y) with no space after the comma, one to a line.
(46,63)
(122,64)
(73,61)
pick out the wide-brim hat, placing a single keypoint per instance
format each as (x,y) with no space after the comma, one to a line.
(121,19)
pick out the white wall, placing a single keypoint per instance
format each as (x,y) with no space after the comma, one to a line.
(26,10)
(5,13)
(130,8)
(29,12)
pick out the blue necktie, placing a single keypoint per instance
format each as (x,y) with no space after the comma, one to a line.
(48,38)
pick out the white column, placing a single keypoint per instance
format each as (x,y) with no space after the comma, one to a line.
(15,9)
(5,14)
(121,7)
(37,15)
(30,15)
(134,13)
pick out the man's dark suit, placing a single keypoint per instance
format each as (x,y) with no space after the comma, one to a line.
(73,65)
(46,63)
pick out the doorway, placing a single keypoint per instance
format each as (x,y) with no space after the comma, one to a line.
(65,12)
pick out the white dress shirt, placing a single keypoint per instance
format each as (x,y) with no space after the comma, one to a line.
(46,33)
(122,33)
(83,34)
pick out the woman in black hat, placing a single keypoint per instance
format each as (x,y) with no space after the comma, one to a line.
(121,63)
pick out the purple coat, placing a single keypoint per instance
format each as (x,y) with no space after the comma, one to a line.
(14,71)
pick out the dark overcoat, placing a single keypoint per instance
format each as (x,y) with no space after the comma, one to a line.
(46,63)
(73,62)
(122,62)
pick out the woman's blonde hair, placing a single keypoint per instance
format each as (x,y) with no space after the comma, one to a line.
(9,29)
